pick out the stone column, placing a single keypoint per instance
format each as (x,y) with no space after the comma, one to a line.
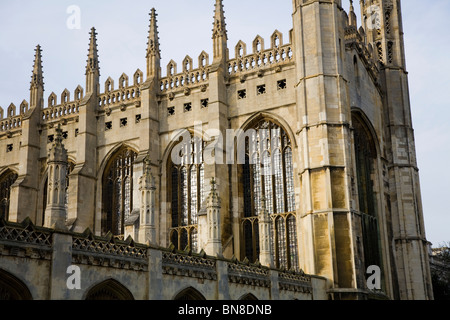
(265,255)
(55,214)
(213,205)
(147,228)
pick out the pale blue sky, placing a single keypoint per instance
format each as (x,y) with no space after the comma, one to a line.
(185,29)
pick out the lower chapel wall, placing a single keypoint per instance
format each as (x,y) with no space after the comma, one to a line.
(39,259)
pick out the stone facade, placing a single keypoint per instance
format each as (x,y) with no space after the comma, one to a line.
(343,191)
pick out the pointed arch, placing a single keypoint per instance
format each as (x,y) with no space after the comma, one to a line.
(366,154)
(109,290)
(12,288)
(65,96)
(276,39)
(203,59)
(187,64)
(7,179)
(109,85)
(248,297)
(123,81)
(117,190)
(24,107)
(11,110)
(185,189)
(79,93)
(189,294)
(138,77)
(258,44)
(171,68)
(52,100)
(268,172)
(240,49)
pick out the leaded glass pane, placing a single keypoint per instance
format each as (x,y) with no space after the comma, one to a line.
(257,185)
(194,240)
(281,243)
(289,180)
(184,197)
(5,191)
(194,194)
(278,171)
(268,185)
(118,207)
(174,197)
(293,246)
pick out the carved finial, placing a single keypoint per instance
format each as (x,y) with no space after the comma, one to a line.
(352,16)
(147,166)
(59,135)
(37,79)
(153,39)
(92,62)
(219,21)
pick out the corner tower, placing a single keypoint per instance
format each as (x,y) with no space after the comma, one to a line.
(382,20)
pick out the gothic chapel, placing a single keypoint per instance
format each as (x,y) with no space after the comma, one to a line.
(328,185)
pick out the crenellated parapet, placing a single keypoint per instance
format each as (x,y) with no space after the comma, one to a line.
(261,59)
(189,78)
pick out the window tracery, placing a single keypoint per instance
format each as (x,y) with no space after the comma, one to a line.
(187,194)
(6,181)
(118,191)
(270,175)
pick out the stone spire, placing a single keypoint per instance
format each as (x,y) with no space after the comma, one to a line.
(57,162)
(213,206)
(93,66)
(147,230)
(37,79)
(352,19)
(265,255)
(219,32)
(153,50)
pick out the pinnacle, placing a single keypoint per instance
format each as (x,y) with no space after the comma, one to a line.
(37,77)
(219,20)
(153,40)
(92,61)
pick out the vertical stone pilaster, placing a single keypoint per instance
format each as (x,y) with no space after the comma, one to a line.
(265,234)
(61,260)
(55,214)
(147,229)
(213,207)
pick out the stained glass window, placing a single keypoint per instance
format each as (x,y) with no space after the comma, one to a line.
(118,192)
(187,194)
(6,181)
(270,174)
(365,154)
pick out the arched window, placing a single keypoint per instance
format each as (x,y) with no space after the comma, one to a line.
(6,181)
(118,192)
(12,289)
(189,294)
(268,173)
(109,290)
(70,168)
(186,194)
(366,156)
